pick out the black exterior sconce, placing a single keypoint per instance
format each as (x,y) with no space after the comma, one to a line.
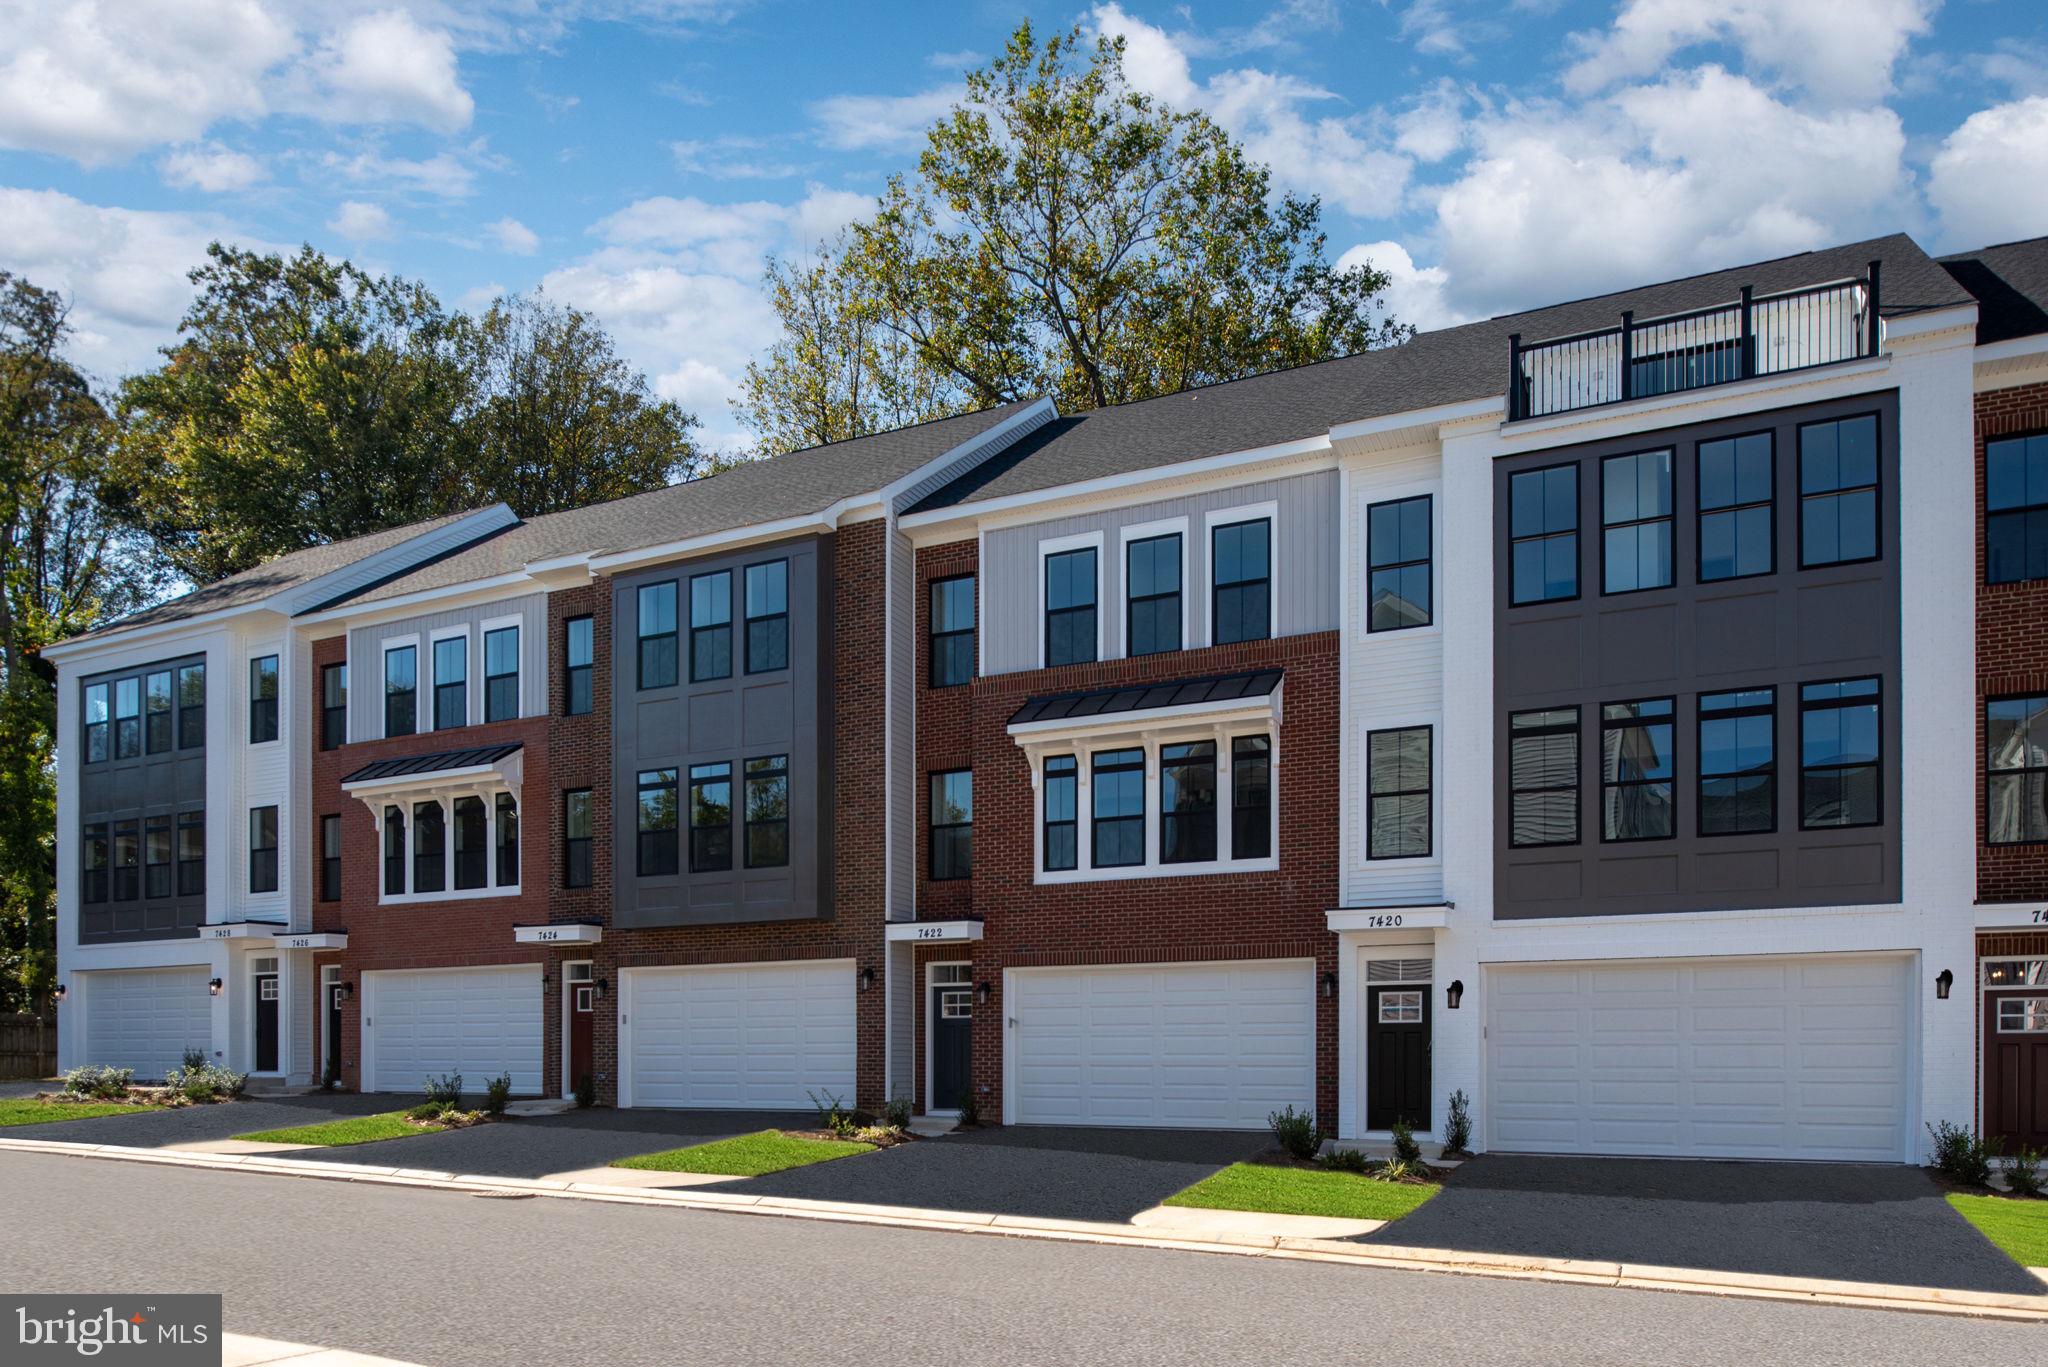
(1943,981)
(1455,993)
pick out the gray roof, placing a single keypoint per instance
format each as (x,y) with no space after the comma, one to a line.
(405,766)
(1108,702)
(1450,366)
(2010,281)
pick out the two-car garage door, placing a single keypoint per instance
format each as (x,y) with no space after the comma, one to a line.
(478,1022)
(763,1036)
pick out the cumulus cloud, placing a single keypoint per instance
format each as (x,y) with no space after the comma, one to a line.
(514,237)
(451,175)
(386,68)
(212,167)
(1989,181)
(855,123)
(1414,294)
(360,221)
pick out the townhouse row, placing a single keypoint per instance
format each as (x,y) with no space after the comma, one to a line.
(1631,715)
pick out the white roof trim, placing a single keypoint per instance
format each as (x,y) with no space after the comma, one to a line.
(569,933)
(508,771)
(326,939)
(1145,721)
(1339,920)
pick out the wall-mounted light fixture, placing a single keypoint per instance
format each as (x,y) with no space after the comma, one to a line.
(1329,984)
(348,991)
(867,979)
(603,986)
(1943,981)
(984,992)
(213,988)
(62,991)
(1455,993)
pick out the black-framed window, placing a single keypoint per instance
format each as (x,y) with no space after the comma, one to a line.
(156,857)
(156,712)
(1059,842)
(711,817)
(654,823)
(953,616)
(263,699)
(577,838)
(94,859)
(472,844)
(1241,581)
(1543,777)
(711,626)
(2016,770)
(1841,754)
(263,849)
(952,819)
(1838,491)
(1543,531)
(505,838)
(401,690)
(1251,797)
(655,627)
(97,721)
(2016,509)
(394,852)
(191,854)
(1397,815)
(1187,802)
(579,652)
(191,706)
(330,859)
(1152,588)
(1737,507)
(1636,514)
(501,674)
(1638,798)
(1738,762)
(1070,606)
(1398,593)
(451,682)
(1117,833)
(767,605)
(429,847)
(767,812)
(128,718)
(127,861)
(333,705)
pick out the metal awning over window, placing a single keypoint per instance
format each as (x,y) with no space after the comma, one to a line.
(474,762)
(1143,705)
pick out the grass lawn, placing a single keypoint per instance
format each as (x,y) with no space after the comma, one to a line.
(27,1111)
(1302,1191)
(361,1129)
(750,1155)
(2018,1227)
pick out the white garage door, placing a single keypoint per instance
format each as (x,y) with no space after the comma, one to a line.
(478,1022)
(1801,1057)
(1196,1046)
(738,1037)
(146,1018)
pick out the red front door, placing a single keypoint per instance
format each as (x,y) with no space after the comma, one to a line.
(582,1033)
(2016,1068)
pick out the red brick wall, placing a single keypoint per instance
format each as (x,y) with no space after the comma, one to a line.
(2012,648)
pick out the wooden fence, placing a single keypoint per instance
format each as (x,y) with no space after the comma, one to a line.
(28,1046)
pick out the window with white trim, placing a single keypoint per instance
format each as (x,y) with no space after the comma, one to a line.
(501,673)
(2023,1016)
(449,845)
(1155,805)
(451,682)
(1070,606)
(1241,581)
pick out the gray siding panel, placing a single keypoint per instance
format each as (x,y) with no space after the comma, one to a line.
(366,661)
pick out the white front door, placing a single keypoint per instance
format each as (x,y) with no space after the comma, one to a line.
(1187,1046)
(1805,1056)
(146,1018)
(737,1037)
(478,1022)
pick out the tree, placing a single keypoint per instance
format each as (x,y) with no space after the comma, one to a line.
(1064,234)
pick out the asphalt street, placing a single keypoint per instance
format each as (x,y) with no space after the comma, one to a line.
(447,1280)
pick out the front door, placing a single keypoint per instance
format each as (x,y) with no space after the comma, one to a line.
(1397,1057)
(2016,1068)
(582,1033)
(332,1062)
(266,1022)
(952,1034)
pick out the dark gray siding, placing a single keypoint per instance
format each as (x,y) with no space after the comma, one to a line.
(117,792)
(1780,630)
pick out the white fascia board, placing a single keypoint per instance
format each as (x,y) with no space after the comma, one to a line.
(399,559)
(2012,916)
(823,521)
(1340,920)
(997,439)
(1907,326)
(1224,712)
(567,934)
(1416,426)
(82,649)
(367,614)
(508,771)
(326,939)
(2013,348)
(232,931)
(934,932)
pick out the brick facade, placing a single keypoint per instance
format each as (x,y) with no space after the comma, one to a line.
(2012,648)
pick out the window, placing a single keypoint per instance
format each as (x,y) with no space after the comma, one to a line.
(655,823)
(2015,770)
(1187,803)
(127,856)
(952,853)
(394,852)
(1397,810)
(1070,607)
(472,852)
(578,653)
(1838,754)
(95,722)
(501,674)
(1543,526)
(93,863)
(1240,560)
(952,629)
(451,682)
(1062,826)
(1635,517)
(1119,792)
(506,810)
(656,615)
(768,617)
(1543,777)
(768,812)
(333,706)
(156,702)
(263,699)
(127,718)
(576,838)
(1251,797)
(263,849)
(1397,553)
(1636,797)
(156,857)
(401,690)
(429,847)
(330,859)
(191,854)
(711,626)
(710,817)
(2023,1015)
(1738,762)
(1738,520)
(1152,587)
(2016,509)
(1838,491)
(191,706)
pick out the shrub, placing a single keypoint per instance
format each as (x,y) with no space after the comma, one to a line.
(882,1136)
(586,1091)
(195,1059)
(2023,1172)
(446,1090)
(497,1094)
(1406,1150)
(198,1090)
(98,1082)
(1347,1160)
(897,1113)
(205,1082)
(428,1110)
(833,1115)
(1458,1126)
(1396,1171)
(1295,1132)
(1959,1155)
(970,1111)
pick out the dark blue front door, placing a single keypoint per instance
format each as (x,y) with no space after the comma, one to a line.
(266,1022)
(952,1053)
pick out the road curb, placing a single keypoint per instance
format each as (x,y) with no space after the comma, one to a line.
(1686,1280)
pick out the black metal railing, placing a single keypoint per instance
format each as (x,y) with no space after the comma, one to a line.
(1767,334)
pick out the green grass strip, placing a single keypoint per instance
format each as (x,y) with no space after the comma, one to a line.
(749,1155)
(2018,1227)
(361,1129)
(1302,1191)
(28,1111)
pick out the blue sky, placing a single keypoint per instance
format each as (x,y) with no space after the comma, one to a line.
(640,157)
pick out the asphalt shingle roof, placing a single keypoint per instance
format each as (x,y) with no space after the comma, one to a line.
(2010,282)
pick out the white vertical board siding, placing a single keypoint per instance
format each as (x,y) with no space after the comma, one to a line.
(1305,544)
(264,774)
(366,661)
(902,724)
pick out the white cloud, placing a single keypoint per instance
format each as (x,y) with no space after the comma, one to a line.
(955,60)
(385,68)
(1153,61)
(1414,294)
(822,213)
(730,158)
(1990,179)
(1434,127)
(515,237)
(212,167)
(451,175)
(853,123)
(359,221)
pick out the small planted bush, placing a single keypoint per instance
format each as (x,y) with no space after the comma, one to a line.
(1347,1160)
(1959,1155)
(447,1090)
(2023,1172)
(1295,1132)
(970,1111)
(896,1115)
(97,1082)
(202,1082)
(195,1059)
(498,1094)
(833,1115)
(427,1110)
(330,1077)
(1406,1150)
(586,1091)
(1458,1126)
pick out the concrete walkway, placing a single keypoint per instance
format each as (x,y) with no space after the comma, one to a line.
(246,1350)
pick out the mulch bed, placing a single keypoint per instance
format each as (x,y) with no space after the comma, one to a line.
(1420,1174)
(888,1140)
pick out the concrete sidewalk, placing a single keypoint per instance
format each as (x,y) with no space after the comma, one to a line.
(246,1350)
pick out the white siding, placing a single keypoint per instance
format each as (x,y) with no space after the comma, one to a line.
(902,728)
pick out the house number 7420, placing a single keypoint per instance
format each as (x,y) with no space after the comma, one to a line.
(1382,922)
